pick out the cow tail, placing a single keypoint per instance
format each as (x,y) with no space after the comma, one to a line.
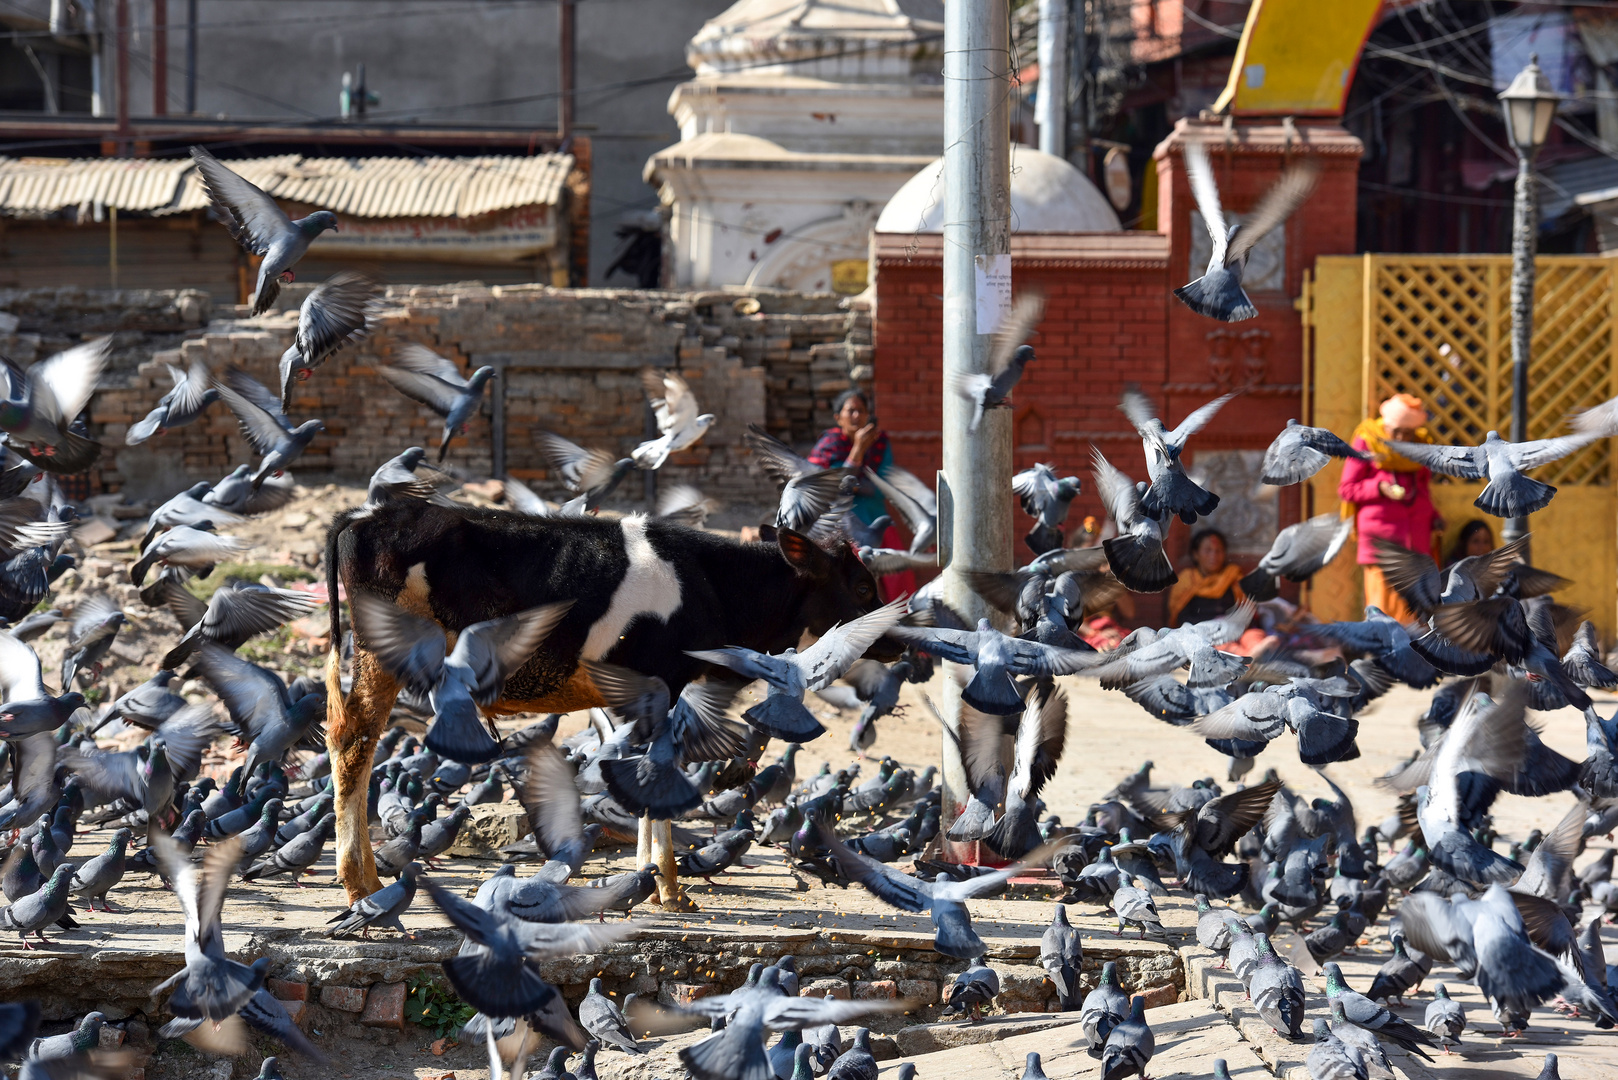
(334,658)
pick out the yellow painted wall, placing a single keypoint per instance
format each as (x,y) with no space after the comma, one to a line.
(1336,593)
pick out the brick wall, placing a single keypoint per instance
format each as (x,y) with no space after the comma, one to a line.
(1111,321)
(572,357)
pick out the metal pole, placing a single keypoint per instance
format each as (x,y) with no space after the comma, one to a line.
(191,57)
(974,498)
(160,57)
(1050,111)
(566,45)
(497,421)
(1524,224)
(121,28)
(1081,83)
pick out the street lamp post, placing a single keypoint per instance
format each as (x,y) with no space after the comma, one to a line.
(1529,103)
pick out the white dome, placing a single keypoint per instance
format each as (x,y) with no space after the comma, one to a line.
(1047,196)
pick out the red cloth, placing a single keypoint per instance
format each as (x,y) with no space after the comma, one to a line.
(893,586)
(1407,522)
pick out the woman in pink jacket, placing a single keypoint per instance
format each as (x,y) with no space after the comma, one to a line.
(1390,495)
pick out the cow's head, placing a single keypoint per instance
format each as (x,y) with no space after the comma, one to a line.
(840,588)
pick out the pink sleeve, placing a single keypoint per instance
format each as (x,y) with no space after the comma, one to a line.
(1360,479)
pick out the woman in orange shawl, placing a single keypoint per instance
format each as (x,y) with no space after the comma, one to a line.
(1210,587)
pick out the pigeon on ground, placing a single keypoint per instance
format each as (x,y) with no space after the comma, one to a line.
(1136,553)
(715,858)
(265,427)
(1332,1059)
(1061,954)
(1130,1046)
(298,855)
(332,315)
(381,908)
(85,1036)
(422,375)
(1509,493)
(94,877)
(1445,1018)
(782,713)
(1398,975)
(1104,1008)
(191,396)
(973,990)
(1213,932)
(1008,356)
(41,405)
(603,1019)
(210,986)
(1363,1012)
(1300,452)
(32,913)
(1218,293)
(1299,551)
(1276,988)
(678,423)
(1171,490)
(260,226)
(857,1062)
(456,681)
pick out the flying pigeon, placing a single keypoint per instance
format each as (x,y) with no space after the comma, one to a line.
(678,422)
(1007,358)
(193,392)
(266,428)
(422,375)
(333,314)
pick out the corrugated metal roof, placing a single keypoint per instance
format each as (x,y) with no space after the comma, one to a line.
(358,187)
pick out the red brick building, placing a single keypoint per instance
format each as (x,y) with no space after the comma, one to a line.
(1111,320)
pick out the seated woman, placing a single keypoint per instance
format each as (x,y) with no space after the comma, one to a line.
(1210,587)
(856,442)
(1475,538)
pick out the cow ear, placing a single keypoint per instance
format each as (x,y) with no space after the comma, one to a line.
(803,554)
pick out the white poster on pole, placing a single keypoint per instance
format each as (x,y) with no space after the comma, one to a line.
(993,291)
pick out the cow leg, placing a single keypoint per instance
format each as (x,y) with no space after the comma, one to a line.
(353,726)
(670,895)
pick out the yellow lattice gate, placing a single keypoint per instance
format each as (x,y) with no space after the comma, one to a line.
(1439,327)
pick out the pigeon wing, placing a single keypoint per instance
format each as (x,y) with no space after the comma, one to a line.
(254,696)
(412,648)
(1200,172)
(431,390)
(776,458)
(334,312)
(1198,420)
(19,670)
(1277,204)
(507,643)
(262,429)
(838,648)
(252,217)
(1026,311)
(62,384)
(580,469)
(1466,462)
(1531,455)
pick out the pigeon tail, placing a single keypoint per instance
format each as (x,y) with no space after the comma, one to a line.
(1325,737)
(786,718)
(497,989)
(1259,586)
(1139,563)
(1176,493)
(1515,495)
(1016,833)
(644,785)
(1218,294)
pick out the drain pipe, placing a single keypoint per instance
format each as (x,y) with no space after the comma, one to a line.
(1050,107)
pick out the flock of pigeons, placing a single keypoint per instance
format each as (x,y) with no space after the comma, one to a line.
(1510,923)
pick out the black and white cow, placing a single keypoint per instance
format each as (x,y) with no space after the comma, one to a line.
(643,592)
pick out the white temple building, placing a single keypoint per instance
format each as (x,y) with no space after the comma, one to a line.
(1048,195)
(804,117)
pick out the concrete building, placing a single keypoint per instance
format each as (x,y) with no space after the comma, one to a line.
(473,62)
(802,121)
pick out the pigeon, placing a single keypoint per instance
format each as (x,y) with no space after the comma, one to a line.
(381,908)
(210,986)
(41,405)
(1398,975)
(1171,490)
(602,1018)
(945,900)
(265,427)
(1332,1059)
(1388,642)
(192,394)
(234,614)
(455,681)
(1330,940)
(1061,954)
(174,753)
(37,624)
(85,1036)
(1041,736)
(34,788)
(556,1066)
(1298,553)
(188,509)
(678,423)
(996,658)
(263,1013)
(1104,1008)
(333,314)
(493,973)
(973,990)
(239,494)
(1033,1068)
(685,505)
(95,877)
(297,856)
(49,904)
(782,713)
(857,1062)
(96,622)
(187,547)
(397,478)
(1046,499)
(1445,1019)
(1508,493)
(1277,990)
(1363,1012)
(1213,931)
(260,226)
(1218,293)
(1299,452)
(1008,356)
(260,837)
(439,836)
(263,714)
(915,501)
(1136,553)
(717,857)
(422,375)
(1129,1047)
(29,708)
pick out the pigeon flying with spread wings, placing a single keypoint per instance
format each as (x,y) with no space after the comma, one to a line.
(1509,493)
(193,392)
(260,226)
(422,375)
(1218,293)
(266,428)
(1171,491)
(42,404)
(1299,452)
(332,315)
(1007,358)
(678,422)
